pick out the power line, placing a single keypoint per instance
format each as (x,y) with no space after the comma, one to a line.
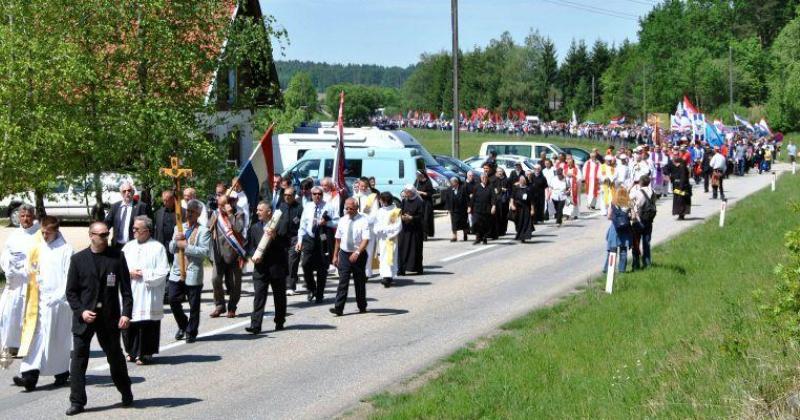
(600,9)
(584,8)
(646,3)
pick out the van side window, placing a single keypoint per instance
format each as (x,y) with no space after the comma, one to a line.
(352,168)
(303,170)
(402,171)
(300,154)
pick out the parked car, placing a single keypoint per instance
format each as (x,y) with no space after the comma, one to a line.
(577,153)
(68,199)
(507,162)
(458,167)
(528,149)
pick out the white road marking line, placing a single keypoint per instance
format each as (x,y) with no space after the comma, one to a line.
(183,342)
(464,254)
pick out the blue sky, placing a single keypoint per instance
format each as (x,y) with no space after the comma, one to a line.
(396,32)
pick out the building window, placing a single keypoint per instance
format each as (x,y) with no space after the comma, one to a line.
(235,148)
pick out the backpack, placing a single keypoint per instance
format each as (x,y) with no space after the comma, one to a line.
(648,211)
(620,218)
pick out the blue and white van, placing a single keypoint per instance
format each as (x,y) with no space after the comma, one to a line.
(392,168)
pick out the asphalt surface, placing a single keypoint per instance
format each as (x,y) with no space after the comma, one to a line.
(321,365)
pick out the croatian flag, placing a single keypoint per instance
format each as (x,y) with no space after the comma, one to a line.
(259,169)
(689,107)
(763,125)
(618,121)
(338,162)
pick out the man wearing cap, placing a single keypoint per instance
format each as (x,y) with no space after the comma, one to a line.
(718,165)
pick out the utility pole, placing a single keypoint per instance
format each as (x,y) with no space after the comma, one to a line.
(730,74)
(456,147)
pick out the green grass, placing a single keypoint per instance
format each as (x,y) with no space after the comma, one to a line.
(439,142)
(684,339)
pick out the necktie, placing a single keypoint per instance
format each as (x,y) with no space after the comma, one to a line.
(351,245)
(120,228)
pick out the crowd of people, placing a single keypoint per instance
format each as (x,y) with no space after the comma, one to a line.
(138,260)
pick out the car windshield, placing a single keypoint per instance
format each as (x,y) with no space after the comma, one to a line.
(426,156)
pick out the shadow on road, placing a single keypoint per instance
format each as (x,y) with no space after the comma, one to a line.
(387,311)
(170,402)
(105,380)
(310,327)
(409,282)
(243,336)
(185,358)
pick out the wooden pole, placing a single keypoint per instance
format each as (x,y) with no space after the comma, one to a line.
(176,173)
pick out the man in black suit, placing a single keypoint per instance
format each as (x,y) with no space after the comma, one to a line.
(290,223)
(121,216)
(164,224)
(98,276)
(269,268)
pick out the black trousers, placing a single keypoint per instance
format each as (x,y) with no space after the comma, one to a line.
(718,188)
(262,281)
(357,271)
(294,264)
(177,291)
(559,206)
(108,336)
(315,261)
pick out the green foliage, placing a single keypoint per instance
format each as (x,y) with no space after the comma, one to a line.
(301,95)
(324,75)
(360,102)
(784,309)
(783,108)
(96,86)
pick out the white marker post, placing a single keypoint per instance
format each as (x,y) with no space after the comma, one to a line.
(722,214)
(774,178)
(612,265)
(794,168)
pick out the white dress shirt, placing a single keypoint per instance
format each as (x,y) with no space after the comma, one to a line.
(351,232)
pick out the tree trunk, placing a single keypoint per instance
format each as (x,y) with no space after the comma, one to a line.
(98,211)
(40,210)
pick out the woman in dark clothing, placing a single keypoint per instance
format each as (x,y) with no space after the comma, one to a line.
(482,208)
(412,211)
(456,201)
(538,186)
(522,206)
(503,185)
(682,189)
(425,189)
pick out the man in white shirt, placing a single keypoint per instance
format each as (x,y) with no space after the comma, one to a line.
(311,243)
(718,166)
(350,257)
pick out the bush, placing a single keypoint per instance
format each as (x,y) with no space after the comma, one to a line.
(784,310)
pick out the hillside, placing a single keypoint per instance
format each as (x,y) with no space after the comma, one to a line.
(324,75)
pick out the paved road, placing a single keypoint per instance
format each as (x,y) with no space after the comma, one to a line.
(322,365)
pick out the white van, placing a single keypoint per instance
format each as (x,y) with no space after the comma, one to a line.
(392,168)
(288,148)
(528,149)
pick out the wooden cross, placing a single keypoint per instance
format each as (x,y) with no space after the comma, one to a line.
(176,173)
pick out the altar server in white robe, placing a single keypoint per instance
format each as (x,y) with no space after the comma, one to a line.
(46,338)
(368,206)
(13,261)
(387,228)
(149,267)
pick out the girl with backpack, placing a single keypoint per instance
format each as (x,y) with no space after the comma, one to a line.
(620,233)
(643,201)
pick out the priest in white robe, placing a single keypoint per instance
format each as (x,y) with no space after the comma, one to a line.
(387,228)
(591,178)
(149,267)
(46,338)
(368,206)
(13,262)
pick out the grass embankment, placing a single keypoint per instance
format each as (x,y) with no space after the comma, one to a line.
(683,339)
(438,142)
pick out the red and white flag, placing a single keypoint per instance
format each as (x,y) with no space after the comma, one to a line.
(338,162)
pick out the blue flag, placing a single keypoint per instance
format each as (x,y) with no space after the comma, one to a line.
(713,136)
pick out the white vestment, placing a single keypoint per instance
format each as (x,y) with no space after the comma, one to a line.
(148,291)
(386,232)
(368,206)
(13,262)
(591,176)
(574,178)
(549,175)
(52,341)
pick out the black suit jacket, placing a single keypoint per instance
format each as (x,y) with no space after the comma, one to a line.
(84,281)
(275,260)
(456,203)
(163,233)
(137,209)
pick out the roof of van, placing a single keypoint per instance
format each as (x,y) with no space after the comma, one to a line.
(351,135)
(360,153)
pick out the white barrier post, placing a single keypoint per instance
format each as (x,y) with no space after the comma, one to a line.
(722,214)
(774,178)
(794,168)
(612,265)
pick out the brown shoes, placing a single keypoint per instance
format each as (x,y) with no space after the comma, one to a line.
(215,313)
(231,314)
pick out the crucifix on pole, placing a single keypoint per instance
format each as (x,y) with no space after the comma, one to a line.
(176,173)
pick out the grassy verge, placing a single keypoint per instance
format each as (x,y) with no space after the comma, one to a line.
(438,142)
(684,339)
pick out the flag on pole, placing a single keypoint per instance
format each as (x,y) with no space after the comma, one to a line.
(338,162)
(743,122)
(259,168)
(689,107)
(574,121)
(713,136)
(763,125)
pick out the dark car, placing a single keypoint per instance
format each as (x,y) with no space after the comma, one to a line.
(454,165)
